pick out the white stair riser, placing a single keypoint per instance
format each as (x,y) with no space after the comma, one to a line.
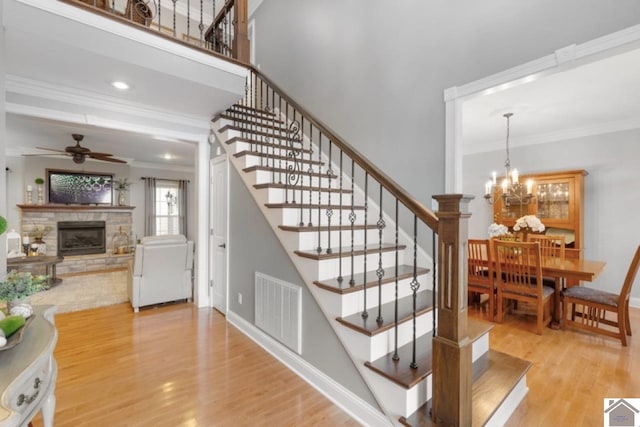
(369,349)
(277,195)
(291,216)
(353,302)
(271,150)
(308,240)
(329,268)
(269,177)
(262,125)
(399,400)
(266,160)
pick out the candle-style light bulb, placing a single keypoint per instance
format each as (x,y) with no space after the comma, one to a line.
(529,186)
(514,176)
(494,178)
(487,188)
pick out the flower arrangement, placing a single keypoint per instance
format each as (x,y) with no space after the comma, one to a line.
(39,231)
(497,230)
(121,184)
(529,223)
(39,181)
(19,285)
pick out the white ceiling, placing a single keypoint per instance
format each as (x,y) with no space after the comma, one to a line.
(60,61)
(598,97)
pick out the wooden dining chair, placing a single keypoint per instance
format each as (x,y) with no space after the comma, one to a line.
(591,306)
(551,246)
(480,276)
(519,278)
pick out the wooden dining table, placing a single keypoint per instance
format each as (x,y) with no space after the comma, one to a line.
(568,270)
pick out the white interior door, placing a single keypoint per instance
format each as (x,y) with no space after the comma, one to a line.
(218,234)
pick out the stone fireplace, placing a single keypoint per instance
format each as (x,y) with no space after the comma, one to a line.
(116,219)
(81,237)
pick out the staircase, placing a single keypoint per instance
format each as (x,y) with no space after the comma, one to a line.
(343,228)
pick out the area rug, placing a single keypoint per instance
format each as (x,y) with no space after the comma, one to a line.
(82,292)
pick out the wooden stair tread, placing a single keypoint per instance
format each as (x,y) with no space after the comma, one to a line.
(283,170)
(271,156)
(250,110)
(346,251)
(250,125)
(314,229)
(332,285)
(369,326)
(494,375)
(312,206)
(244,119)
(304,187)
(401,372)
(263,143)
(271,134)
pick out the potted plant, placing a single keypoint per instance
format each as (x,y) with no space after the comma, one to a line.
(37,233)
(39,182)
(122,187)
(19,286)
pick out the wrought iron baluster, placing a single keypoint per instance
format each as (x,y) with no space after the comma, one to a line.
(310,171)
(174,17)
(380,271)
(201,26)
(286,143)
(280,149)
(160,15)
(340,223)
(329,208)
(352,220)
(365,314)
(395,308)
(301,177)
(188,20)
(415,285)
(319,248)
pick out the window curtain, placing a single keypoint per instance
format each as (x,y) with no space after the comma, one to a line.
(182,206)
(150,207)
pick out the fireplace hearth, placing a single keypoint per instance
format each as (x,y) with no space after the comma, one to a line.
(81,237)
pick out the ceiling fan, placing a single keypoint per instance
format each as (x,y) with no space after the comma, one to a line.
(79,153)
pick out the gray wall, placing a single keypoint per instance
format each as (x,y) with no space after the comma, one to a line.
(612,198)
(254,247)
(3,187)
(375,70)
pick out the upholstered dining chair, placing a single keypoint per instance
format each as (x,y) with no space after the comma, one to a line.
(519,278)
(591,306)
(480,276)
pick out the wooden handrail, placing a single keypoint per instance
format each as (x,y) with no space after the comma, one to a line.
(415,206)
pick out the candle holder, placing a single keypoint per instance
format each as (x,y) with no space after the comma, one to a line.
(28,197)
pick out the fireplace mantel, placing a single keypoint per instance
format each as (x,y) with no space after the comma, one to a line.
(73,208)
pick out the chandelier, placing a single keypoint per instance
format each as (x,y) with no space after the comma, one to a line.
(511,190)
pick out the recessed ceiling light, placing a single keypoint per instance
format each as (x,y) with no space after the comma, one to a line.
(168,157)
(120,85)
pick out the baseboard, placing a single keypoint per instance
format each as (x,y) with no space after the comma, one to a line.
(357,408)
(634,302)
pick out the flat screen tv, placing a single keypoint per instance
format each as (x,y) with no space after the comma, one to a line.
(79,188)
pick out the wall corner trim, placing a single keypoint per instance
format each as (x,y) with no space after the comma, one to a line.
(360,410)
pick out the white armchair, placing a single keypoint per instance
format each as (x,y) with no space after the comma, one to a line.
(160,271)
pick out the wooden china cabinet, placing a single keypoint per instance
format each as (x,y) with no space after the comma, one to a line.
(557,199)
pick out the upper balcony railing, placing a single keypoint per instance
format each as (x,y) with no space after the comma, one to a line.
(220,28)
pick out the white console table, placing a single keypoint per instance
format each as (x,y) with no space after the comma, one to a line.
(28,373)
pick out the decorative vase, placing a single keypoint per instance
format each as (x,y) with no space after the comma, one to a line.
(38,247)
(28,196)
(122,197)
(40,195)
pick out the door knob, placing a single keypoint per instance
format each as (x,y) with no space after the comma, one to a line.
(222,246)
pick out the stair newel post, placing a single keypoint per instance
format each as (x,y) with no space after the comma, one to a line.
(380,271)
(415,285)
(395,299)
(319,248)
(451,345)
(329,209)
(365,314)
(352,220)
(340,278)
(310,170)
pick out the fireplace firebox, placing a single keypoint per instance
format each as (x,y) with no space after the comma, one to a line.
(81,237)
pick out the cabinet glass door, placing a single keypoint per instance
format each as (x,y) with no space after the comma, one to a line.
(553,200)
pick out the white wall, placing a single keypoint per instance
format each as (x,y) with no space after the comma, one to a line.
(612,198)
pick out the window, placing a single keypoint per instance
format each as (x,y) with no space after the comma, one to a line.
(167,207)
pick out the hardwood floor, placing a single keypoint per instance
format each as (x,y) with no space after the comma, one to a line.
(175,366)
(180,366)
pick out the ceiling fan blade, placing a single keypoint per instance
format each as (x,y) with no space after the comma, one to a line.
(51,149)
(44,155)
(93,153)
(105,158)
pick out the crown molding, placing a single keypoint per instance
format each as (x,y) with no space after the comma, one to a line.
(67,95)
(562,135)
